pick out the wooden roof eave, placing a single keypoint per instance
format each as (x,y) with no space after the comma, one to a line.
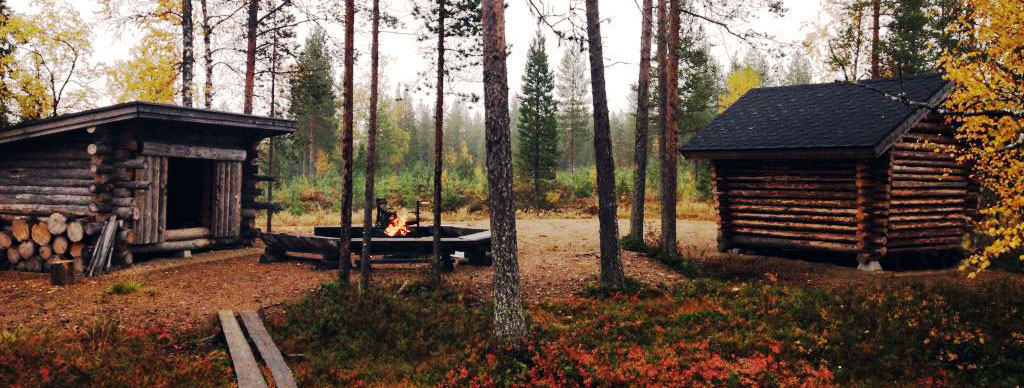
(257,125)
(914,118)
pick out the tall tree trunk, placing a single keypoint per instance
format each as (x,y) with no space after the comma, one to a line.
(273,111)
(611,262)
(875,14)
(250,55)
(643,88)
(536,166)
(187,55)
(435,269)
(207,58)
(344,252)
(669,131)
(509,323)
(572,146)
(371,154)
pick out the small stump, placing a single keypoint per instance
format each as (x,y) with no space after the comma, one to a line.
(62,272)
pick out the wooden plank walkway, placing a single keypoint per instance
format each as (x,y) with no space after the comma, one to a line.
(246,368)
(283,377)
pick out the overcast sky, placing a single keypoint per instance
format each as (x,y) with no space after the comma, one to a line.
(404,58)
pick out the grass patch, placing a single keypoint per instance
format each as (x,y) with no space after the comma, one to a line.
(398,335)
(124,287)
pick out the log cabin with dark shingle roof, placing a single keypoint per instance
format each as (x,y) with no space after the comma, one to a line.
(837,167)
(179,178)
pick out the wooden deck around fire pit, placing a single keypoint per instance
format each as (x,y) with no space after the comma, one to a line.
(475,243)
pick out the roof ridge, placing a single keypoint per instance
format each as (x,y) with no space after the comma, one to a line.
(840,82)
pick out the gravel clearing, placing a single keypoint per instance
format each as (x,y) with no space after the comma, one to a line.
(558,257)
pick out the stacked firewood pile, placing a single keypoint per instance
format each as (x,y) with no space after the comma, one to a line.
(33,244)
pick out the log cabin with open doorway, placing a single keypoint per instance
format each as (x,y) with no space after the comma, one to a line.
(838,167)
(172,179)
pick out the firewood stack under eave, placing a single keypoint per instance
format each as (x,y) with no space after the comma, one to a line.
(32,244)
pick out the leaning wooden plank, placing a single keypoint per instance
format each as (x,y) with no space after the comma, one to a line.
(246,369)
(283,377)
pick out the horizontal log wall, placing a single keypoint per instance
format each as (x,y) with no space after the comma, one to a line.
(42,177)
(930,190)
(787,203)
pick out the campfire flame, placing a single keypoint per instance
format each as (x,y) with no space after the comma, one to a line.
(397,227)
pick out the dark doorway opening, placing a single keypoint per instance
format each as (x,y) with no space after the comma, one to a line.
(189,197)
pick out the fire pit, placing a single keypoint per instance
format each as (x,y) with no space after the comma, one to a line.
(395,242)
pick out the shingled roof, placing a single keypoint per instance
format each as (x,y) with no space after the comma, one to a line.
(818,120)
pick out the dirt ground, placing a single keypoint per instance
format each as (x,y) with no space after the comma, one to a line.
(557,258)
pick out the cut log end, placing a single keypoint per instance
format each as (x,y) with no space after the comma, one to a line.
(41,234)
(57,224)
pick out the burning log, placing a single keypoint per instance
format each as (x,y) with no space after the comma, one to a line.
(397,227)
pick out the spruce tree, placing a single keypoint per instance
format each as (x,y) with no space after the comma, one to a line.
(573,89)
(313,103)
(538,123)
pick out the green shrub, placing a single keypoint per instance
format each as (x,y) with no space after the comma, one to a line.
(124,287)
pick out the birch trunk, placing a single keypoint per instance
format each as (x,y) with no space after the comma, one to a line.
(207,57)
(509,324)
(611,262)
(187,53)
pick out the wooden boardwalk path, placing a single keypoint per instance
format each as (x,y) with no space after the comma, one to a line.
(247,370)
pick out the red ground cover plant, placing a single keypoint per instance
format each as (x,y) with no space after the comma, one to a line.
(107,355)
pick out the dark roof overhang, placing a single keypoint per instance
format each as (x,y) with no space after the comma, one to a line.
(249,125)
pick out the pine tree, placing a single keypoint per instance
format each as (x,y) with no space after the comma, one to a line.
(642,121)
(574,118)
(612,274)
(313,102)
(509,323)
(906,49)
(538,125)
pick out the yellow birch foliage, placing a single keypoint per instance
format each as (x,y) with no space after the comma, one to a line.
(738,83)
(151,74)
(49,68)
(988,68)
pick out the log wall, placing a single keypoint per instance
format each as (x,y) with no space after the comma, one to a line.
(151,225)
(787,203)
(40,177)
(227,180)
(931,193)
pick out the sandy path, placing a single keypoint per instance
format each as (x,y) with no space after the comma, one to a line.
(557,257)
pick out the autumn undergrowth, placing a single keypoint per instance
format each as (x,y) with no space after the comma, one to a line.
(702,332)
(107,354)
